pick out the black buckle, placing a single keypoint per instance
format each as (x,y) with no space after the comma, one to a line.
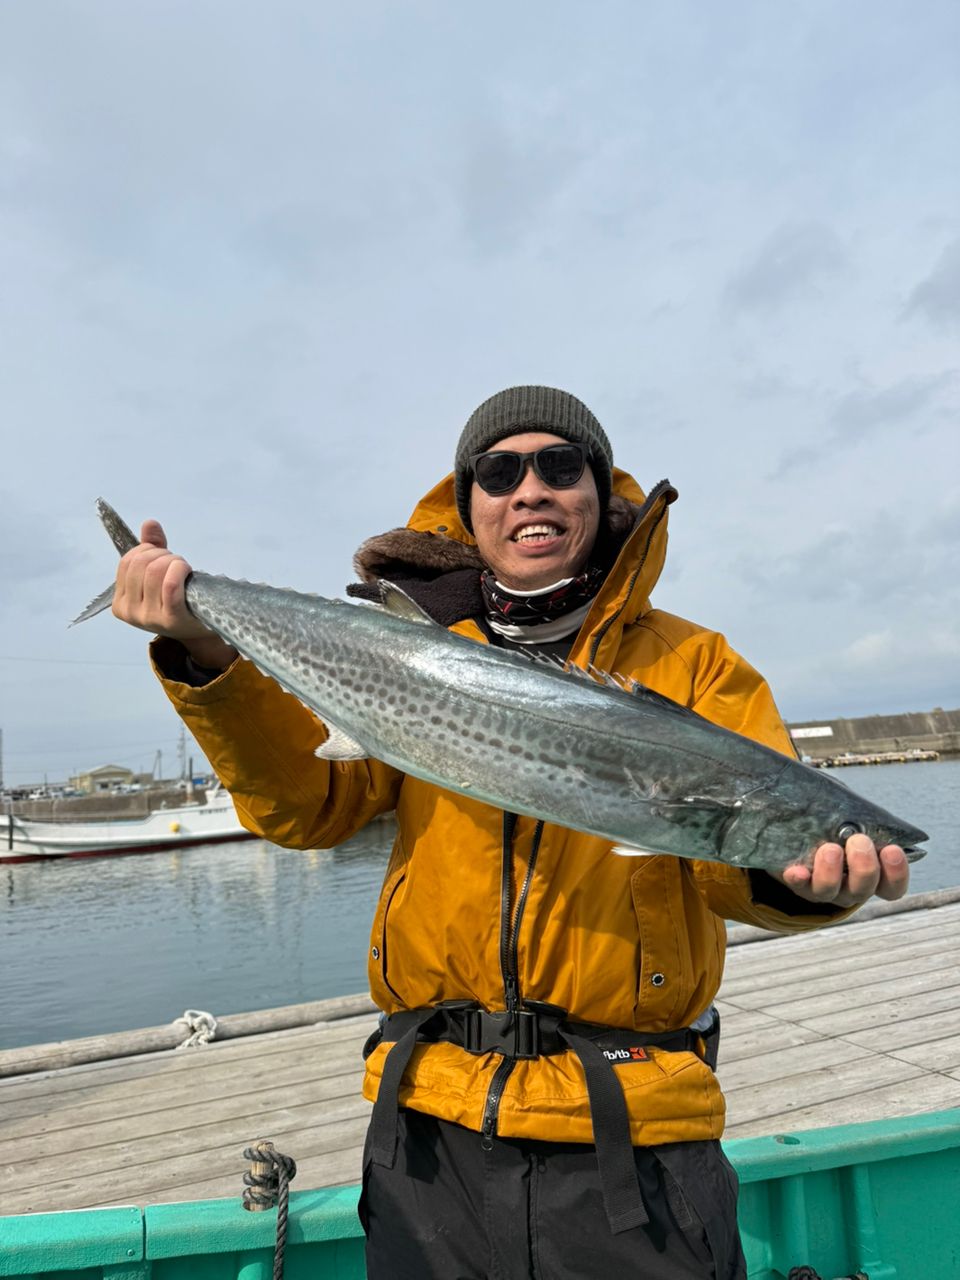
(513,1034)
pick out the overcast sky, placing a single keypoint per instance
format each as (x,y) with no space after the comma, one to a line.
(258,263)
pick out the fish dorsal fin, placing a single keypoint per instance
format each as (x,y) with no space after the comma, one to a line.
(592,674)
(661,701)
(613,679)
(556,663)
(626,684)
(396,601)
(540,659)
(121,535)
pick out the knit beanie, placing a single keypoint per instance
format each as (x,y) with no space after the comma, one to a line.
(520,409)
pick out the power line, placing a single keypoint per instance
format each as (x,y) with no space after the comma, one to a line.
(58,749)
(72,662)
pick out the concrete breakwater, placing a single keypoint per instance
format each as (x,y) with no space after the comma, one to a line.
(101,806)
(936,730)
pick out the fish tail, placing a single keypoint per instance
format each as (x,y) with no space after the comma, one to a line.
(123,538)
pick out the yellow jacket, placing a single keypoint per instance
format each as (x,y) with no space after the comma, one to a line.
(626,942)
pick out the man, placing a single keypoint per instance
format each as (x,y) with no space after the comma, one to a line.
(545,1101)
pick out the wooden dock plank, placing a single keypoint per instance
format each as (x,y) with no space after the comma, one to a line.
(164,1180)
(757,990)
(925,1029)
(208,1081)
(95,1075)
(909,1097)
(119,1148)
(935,1055)
(777,1066)
(194,1114)
(860,1021)
(810,1083)
(866,995)
(880,1014)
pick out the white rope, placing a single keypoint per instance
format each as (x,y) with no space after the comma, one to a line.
(201,1026)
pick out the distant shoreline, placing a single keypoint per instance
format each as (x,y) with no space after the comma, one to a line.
(872,736)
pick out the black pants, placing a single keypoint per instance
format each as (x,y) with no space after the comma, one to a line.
(448,1210)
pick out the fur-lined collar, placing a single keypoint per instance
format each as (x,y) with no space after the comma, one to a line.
(443,575)
(407,553)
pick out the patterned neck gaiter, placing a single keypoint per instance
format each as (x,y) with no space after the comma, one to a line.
(538,616)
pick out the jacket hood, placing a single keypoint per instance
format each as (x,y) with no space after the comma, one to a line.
(435,544)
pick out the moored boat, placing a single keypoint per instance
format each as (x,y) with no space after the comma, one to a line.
(27,839)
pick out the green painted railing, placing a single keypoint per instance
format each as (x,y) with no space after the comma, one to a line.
(881,1198)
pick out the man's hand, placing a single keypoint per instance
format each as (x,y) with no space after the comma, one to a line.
(149,595)
(848,877)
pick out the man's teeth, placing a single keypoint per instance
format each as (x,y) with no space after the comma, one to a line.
(536,531)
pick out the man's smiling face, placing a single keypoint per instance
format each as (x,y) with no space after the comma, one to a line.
(535,535)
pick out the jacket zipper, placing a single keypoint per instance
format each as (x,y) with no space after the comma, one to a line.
(383,938)
(509,962)
(510,924)
(647,506)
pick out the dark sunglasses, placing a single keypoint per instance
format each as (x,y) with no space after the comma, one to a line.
(557,465)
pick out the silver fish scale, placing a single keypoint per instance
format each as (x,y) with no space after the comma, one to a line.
(634,769)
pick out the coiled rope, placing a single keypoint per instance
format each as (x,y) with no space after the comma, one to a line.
(201,1028)
(268,1187)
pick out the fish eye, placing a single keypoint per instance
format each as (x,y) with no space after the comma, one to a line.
(848,829)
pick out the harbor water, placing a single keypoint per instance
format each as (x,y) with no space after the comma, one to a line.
(96,945)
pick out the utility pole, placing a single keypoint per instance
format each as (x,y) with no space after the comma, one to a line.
(1,762)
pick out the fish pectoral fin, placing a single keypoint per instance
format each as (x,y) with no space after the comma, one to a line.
(708,819)
(339,746)
(396,601)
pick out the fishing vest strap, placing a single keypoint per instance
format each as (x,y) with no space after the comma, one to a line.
(534,1031)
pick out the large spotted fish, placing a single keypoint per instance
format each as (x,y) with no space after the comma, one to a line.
(580,750)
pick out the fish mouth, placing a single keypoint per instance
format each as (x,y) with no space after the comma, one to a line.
(913,853)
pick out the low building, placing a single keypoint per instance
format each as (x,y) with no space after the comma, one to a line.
(105,777)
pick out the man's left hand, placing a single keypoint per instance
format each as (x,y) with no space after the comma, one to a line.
(848,876)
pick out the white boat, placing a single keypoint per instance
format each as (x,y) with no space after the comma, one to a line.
(24,839)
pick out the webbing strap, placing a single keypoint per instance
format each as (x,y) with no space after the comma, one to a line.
(383,1123)
(611,1136)
(619,1181)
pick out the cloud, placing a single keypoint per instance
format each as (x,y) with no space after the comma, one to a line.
(891,669)
(509,184)
(796,460)
(873,561)
(29,548)
(788,266)
(938,296)
(861,412)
